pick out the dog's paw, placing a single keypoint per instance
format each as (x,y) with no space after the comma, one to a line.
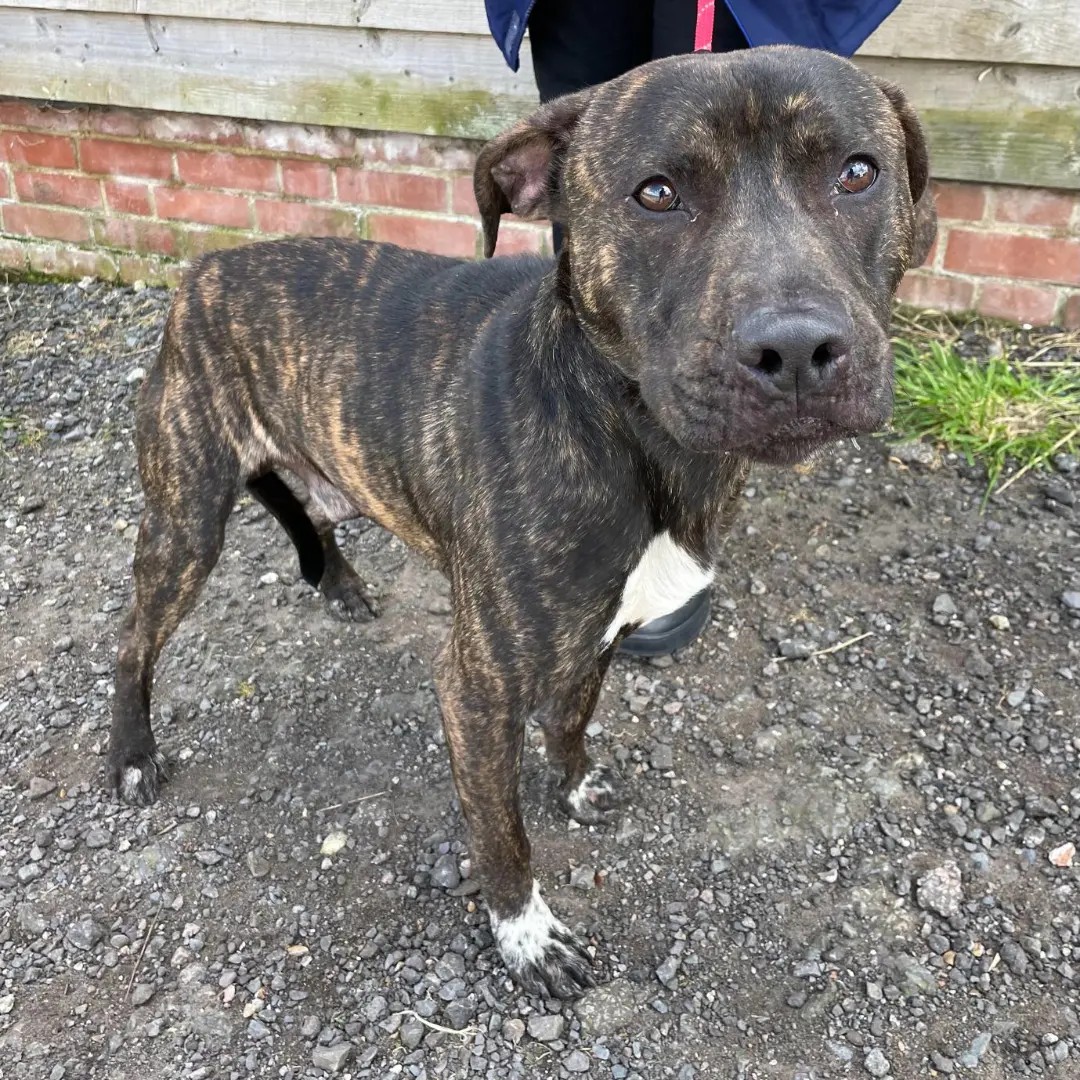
(349,600)
(541,953)
(137,778)
(593,797)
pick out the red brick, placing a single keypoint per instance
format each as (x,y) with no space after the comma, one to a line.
(127,197)
(46,223)
(959,201)
(1024,303)
(142,237)
(117,123)
(200,241)
(15,112)
(152,270)
(1070,312)
(410,191)
(5,186)
(34,148)
(218,169)
(125,159)
(190,129)
(1000,255)
(312,179)
(61,189)
(295,140)
(463,198)
(207,207)
(419,150)
(1034,206)
(12,254)
(439,236)
(73,263)
(521,239)
(303,219)
(934,291)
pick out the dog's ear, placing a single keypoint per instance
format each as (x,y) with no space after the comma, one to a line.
(518,171)
(918,170)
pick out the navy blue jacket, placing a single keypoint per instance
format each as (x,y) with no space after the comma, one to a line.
(840,26)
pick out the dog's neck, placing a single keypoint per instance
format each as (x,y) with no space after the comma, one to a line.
(686,491)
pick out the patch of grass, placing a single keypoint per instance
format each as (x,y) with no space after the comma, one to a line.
(245,689)
(991,411)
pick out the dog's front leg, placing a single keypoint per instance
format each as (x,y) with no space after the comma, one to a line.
(485,734)
(587,792)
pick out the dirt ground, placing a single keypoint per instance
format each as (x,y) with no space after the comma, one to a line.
(843,852)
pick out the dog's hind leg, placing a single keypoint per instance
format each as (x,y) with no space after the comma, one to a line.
(585,791)
(189,495)
(322,565)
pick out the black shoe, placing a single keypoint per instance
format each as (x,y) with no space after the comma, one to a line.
(670,632)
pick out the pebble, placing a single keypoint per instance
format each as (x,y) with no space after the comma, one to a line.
(944,606)
(662,758)
(7,1003)
(412,1031)
(84,933)
(607,1008)
(1071,599)
(1063,855)
(141,993)
(376,1008)
(576,1062)
(98,838)
(332,1058)
(445,873)
(546,1027)
(39,787)
(942,1063)
(513,1030)
(333,843)
(941,890)
(970,1058)
(876,1063)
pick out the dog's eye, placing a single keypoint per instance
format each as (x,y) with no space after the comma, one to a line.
(657,194)
(857,175)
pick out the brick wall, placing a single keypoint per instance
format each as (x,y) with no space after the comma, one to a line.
(126,195)
(1009,252)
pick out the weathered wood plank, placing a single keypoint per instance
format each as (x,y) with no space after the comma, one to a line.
(448,84)
(422,16)
(1011,124)
(1016,124)
(993,31)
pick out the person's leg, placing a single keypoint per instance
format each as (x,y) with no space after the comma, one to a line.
(579,43)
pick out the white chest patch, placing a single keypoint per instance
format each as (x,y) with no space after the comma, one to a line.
(666,576)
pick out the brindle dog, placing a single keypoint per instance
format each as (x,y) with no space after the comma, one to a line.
(566,439)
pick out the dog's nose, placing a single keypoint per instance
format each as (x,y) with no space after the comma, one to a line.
(793,349)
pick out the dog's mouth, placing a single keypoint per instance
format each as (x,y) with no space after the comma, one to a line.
(776,432)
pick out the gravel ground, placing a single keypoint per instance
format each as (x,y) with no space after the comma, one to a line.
(854,862)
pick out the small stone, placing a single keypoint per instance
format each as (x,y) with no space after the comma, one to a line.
(331,1058)
(141,994)
(445,873)
(311,1027)
(583,877)
(940,890)
(257,1030)
(876,1063)
(944,605)
(136,374)
(797,1000)
(333,843)
(546,1027)
(970,1057)
(914,452)
(1063,856)
(7,1003)
(39,787)
(84,934)
(412,1031)
(662,758)
(258,865)
(667,971)
(513,1030)
(576,1062)
(1071,599)
(942,1063)
(98,838)
(376,1008)
(31,503)
(795,650)
(269,578)
(607,1008)
(999,622)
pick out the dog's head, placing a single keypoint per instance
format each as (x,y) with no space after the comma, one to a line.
(736,227)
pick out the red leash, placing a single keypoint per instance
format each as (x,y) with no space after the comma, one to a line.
(703,29)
